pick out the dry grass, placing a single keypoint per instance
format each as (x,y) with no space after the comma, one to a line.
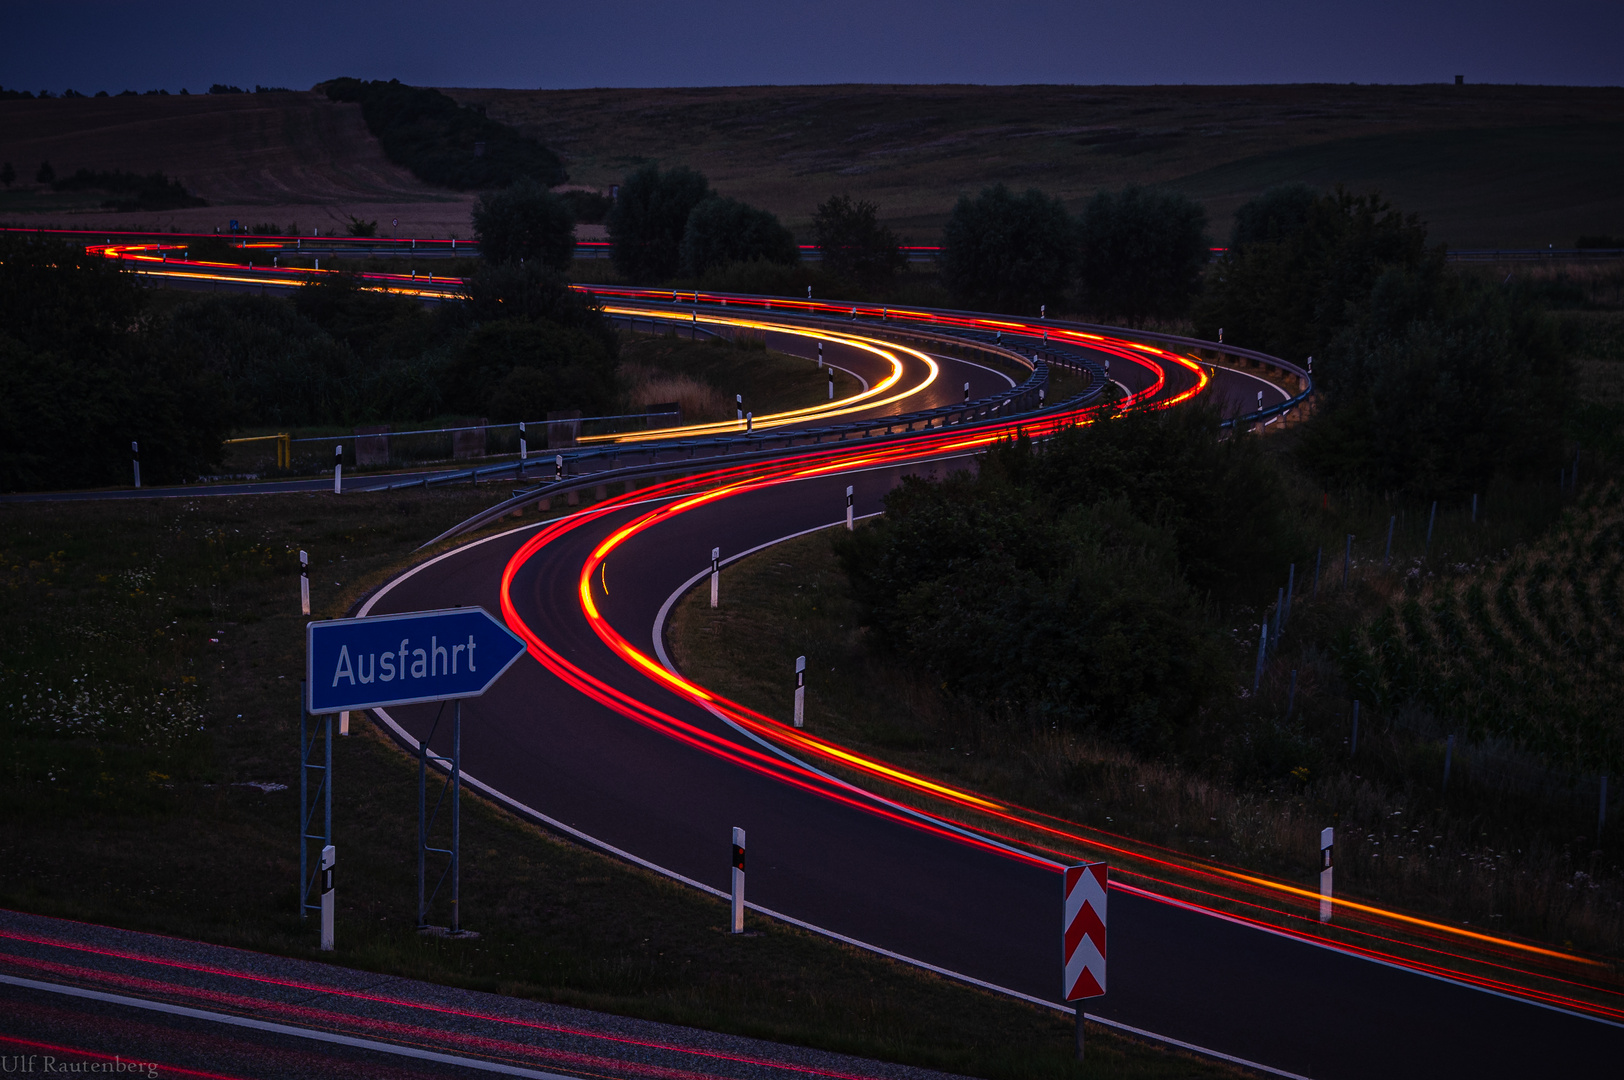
(647,386)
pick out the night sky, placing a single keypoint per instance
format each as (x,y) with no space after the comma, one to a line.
(139,46)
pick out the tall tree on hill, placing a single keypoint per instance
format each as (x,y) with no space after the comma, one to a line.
(722,230)
(649,217)
(854,246)
(522,223)
(1008,252)
(1301,268)
(1142,253)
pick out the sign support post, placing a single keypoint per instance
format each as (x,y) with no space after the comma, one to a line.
(1082,951)
(407,659)
(312,801)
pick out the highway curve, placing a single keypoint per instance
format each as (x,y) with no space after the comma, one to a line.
(586,737)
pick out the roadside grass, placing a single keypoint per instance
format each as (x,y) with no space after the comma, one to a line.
(117,811)
(1511,845)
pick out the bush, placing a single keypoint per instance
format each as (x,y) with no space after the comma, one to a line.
(81,377)
(1290,290)
(1007,252)
(525,222)
(1142,253)
(439,140)
(722,230)
(531,291)
(1279,213)
(154,191)
(588,207)
(649,218)
(357,227)
(853,244)
(518,369)
(1441,383)
(1075,615)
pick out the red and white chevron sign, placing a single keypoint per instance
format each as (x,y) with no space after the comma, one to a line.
(1084,929)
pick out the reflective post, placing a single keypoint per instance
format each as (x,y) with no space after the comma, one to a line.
(1327,843)
(304,583)
(737,924)
(338,469)
(849,511)
(716,575)
(135,461)
(800,706)
(524,445)
(329,856)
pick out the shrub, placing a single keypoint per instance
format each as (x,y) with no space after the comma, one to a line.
(588,207)
(1142,253)
(1277,214)
(518,369)
(154,191)
(1289,290)
(1007,252)
(854,246)
(647,222)
(357,227)
(525,222)
(1440,383)
(81,377)
(454,146)
(722,230)
(531,291)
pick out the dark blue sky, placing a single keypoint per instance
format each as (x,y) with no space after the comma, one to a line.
(114,46)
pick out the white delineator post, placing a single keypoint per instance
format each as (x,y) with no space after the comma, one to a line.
(849,500)
(558,467)
(304,583)
(738,401)
(329,857)
(716,575)
(966,391)
(737,924)
(1327,841)
(524,445)
(749,422)
(831,383)
(820,356)
(344,722)
(800,691)
(338,469)
(1083,936)
(135,460)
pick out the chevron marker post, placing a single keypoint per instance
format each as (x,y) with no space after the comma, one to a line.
(1083,940)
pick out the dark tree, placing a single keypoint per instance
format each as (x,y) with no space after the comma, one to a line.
(1007,252)
(647,221)
(854,245)
(722,230)
(1290,292)
(1278,213)
(81,377)
(1438,384)
(1142,253)
(525,222)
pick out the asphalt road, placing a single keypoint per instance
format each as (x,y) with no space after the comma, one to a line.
(1177,973)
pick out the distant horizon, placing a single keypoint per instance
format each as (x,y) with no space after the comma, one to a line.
(638,44)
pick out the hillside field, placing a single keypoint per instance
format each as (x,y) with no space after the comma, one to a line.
(1485,165)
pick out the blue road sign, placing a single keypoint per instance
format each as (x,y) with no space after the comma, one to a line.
(403,659)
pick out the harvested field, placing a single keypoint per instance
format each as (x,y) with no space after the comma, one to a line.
(279,157)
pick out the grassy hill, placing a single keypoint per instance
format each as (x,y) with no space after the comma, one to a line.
(1487,164)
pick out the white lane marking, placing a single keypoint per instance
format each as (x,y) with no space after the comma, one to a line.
(972,363)
(281,1029)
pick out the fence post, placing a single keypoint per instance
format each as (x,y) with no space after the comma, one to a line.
(800,701)
(738,881)
(716,574)
(1291,589)
(1387,559)
(1262,652)
(135,460)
